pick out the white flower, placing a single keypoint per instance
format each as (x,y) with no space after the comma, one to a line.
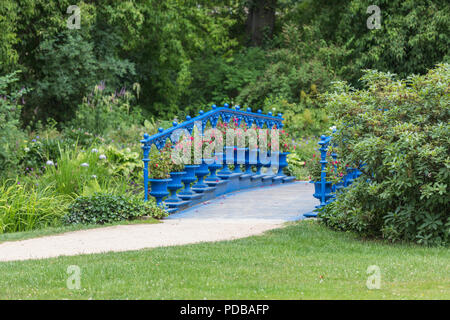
(102,157)
(94,176)
(94,150)
(50,163)
(26,149)
(84,164)
(333,128)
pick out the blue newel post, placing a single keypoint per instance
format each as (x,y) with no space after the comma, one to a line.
(323,174)
(282,162)
(146,160)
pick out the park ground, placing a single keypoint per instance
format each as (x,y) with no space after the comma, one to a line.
(303,260)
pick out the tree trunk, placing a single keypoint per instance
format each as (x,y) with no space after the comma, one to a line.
(260,20)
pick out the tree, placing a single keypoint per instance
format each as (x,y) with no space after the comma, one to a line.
(260,20)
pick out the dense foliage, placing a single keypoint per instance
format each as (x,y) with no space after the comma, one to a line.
(106,208)
(398,133)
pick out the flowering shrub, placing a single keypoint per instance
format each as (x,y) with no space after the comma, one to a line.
(285,141)
(398,134)
(159,166)
(335,169)
(314,168)
(175,165)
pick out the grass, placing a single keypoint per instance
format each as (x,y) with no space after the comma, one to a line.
(302,261)
(62,229)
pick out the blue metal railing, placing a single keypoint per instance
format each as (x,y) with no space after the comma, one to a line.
(325,191)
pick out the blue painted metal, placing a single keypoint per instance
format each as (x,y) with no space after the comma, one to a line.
(213,167)
(239,158)
(282,162)
(159,189)
(201,172)
(174,185)
(188,179)
(325,191)
(213,116)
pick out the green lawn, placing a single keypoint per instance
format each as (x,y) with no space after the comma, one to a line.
(302,261)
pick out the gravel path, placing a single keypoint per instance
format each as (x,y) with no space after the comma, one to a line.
(233,216)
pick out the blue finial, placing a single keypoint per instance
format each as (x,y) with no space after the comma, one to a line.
(270,114)
(226,105)
(249,109)
(188,118)
(259,111)
(213,106)
(200,112)
(160,129)
(280,115)
(146,136)
(174,123)
(237,107)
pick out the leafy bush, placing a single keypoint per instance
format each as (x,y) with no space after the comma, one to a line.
(106,208)
(26,207)
(101,112)
(123,162)
(398,134)
(10,134)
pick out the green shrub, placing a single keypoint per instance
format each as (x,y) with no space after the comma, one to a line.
(101,112)
(106,208)
(398,133)
(25,207)
(123,162)
(11,136)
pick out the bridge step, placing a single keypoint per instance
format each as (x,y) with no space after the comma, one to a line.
(277,179)
(190,197)
(204,190)
(171,210)
(257,176)
(180,205)
(288,179)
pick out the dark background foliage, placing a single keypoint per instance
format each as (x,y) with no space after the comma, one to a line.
(188,54)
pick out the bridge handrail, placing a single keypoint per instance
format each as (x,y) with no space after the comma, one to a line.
(225,113)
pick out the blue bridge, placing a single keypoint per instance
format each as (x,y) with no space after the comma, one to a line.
(205,181)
